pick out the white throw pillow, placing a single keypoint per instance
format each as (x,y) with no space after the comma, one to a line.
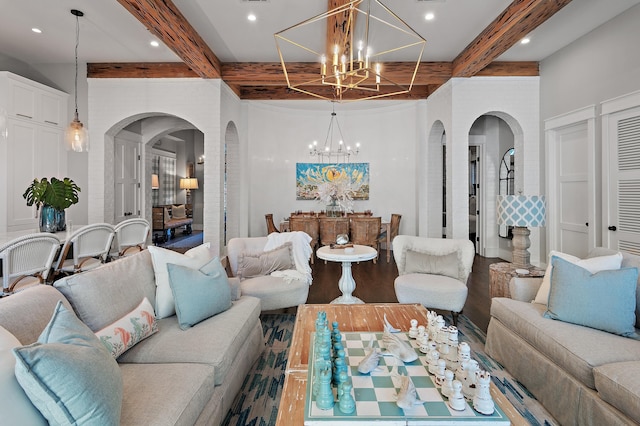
(591,264)
(178,212)
(20,410)
(195,258)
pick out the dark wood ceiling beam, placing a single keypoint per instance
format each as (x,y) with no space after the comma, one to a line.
(140,70)
(263,93)
(516,21)
(165,21)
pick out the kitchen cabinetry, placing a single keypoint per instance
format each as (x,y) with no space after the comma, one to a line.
(34,147)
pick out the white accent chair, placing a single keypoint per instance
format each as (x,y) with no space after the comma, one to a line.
(27,260)
(131,236)
(273,292)
(433,272)
(91,245)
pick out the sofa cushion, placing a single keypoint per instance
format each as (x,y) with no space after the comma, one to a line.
(258,264)
(165,394)
(439,291)
(214,341)
(199,293)
(178,212)
(193,258)
(619,385)
(591,264)
(574,348)
(605,300)
(125,333)
(124,283)
(69,375)
(22,411)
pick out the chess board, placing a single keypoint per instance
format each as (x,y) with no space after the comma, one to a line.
(375,393)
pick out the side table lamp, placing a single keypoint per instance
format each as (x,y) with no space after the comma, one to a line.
(522,212)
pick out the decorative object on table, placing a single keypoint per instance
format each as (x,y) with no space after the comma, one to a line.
(522,212)
(398,347)
(76,135)
(54,196)
(309,176)
(407,397)
(354,45)
(371,359)
(413,330)
(342,239)
(482,401)
(189,184)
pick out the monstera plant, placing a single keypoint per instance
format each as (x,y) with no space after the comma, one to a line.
(55,196)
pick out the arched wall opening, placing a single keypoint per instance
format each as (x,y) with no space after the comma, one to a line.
(232,190)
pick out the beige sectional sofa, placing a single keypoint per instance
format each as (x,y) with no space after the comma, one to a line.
(173,377)
(581,375)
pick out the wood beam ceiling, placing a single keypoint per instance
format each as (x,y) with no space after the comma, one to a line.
(516,21)
(265,80)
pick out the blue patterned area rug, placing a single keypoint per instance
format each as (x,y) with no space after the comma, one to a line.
(258,400)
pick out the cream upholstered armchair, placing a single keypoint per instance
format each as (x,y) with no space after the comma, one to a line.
(267,269)
(433,272)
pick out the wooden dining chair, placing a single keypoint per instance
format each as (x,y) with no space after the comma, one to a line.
(306,224)
(271,227)
(330,227)
(394,227)
(365,231)
(27,260)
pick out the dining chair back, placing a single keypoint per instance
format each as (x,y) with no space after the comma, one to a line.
(91,245)
(271,227)
(310,225)
(131,236)
(365,230)
(330,227)
(27,259)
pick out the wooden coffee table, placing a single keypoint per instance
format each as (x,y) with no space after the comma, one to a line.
(367,317)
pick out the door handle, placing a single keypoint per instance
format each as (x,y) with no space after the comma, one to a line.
(612,228)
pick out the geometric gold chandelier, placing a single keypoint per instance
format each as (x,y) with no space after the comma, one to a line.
(353,50)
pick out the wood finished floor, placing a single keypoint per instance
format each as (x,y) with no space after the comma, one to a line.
(374,284)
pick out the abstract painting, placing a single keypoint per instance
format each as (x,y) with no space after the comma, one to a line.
(310,175)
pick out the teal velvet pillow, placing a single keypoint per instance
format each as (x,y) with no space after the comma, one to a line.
(605,300)
(199,294)
(69,375)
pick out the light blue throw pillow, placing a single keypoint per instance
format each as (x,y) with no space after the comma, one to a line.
(605,300)
(69,375)
(199,293)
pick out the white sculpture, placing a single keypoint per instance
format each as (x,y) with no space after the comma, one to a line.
(482,402)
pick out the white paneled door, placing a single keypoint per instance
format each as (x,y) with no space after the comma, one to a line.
(622,228)
(127,179)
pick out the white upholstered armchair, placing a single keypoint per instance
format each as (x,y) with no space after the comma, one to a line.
(433,272)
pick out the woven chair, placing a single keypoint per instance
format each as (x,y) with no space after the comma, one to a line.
(365,231)
(271,227)
(309,225)
(394,227)
(330,227)
(27,260)
(91,245)
(131,236)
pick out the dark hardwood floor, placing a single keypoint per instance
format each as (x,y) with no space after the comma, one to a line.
(374,284)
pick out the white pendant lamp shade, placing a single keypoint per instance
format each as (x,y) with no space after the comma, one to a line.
(76,137)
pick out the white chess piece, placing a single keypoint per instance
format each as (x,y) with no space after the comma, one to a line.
(413,331)
(464,352)
(469,385)
(433,362)
(456,400)
(461,372)
(448,381)
(482,402)
(442,366)
(423,336)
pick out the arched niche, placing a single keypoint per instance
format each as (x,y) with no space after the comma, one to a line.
(232,191)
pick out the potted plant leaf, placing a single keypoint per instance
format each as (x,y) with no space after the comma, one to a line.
(55,196)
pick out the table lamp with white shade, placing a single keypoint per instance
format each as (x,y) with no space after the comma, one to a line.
(189,184)
(522,212)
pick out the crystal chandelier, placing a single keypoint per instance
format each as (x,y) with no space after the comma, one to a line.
(349,53)
(341,153)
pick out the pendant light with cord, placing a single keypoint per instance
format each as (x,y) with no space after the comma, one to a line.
(76,135)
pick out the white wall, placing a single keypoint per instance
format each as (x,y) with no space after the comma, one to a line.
(279,134)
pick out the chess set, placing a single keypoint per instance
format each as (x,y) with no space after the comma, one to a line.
(354,378)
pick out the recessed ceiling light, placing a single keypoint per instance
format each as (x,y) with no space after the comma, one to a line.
(251,17)
(525,40)
(36,30)
(429,16)
(154,43)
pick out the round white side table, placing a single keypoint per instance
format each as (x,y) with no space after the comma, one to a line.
(347,284)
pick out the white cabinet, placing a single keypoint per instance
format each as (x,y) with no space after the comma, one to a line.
(35,145)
